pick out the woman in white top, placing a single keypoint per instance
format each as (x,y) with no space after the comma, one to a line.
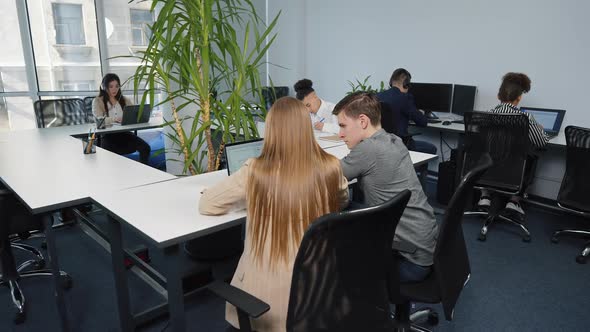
(319,109)
(109,104)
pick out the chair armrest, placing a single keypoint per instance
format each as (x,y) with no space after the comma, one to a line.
(240,299)
(402,246)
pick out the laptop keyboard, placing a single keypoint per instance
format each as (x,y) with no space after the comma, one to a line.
(551,135)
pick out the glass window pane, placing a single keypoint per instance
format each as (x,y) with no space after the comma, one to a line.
(65,42)
(69,28)
(13,75)
(127,33)
(16,113)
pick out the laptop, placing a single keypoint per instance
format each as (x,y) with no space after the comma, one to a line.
(550,119)
(237,153)
(130,114)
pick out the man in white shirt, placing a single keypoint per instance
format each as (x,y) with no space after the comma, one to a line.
(320,110)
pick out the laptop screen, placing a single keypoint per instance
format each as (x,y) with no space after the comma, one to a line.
(131,112)
(548,118)
(237,153)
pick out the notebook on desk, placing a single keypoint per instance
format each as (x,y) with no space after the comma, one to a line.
(130,114)
(237,153)
(550,119)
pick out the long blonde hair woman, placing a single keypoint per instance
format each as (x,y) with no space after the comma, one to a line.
(292,183)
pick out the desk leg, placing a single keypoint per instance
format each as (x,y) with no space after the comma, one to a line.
(120,275)
(423,169)
(54,264)
(174,287)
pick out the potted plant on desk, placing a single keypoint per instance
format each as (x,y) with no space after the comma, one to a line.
(204,56)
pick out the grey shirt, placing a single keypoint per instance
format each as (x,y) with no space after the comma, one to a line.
(383,168)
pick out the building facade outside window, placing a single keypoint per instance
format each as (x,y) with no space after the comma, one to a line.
(140,21)
(69,25)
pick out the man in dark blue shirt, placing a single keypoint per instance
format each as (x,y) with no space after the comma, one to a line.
(403,109)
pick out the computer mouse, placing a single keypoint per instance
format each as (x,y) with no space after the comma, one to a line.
(446,123)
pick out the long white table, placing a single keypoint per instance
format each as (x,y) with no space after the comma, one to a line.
(459,128)
(47,171)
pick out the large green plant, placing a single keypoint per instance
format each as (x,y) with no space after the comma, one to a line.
(204,55)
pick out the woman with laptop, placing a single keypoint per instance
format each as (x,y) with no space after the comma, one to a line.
(288,186)
(512,89)
(108,106)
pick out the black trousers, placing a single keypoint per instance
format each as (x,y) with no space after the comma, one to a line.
(125,143)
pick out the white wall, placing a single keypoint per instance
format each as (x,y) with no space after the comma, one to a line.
(455,41)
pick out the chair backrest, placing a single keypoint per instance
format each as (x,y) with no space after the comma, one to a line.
(388,119)
(451,262)
(505,138)
(574,192)
(341,272)
(88,108)
(60,112)
(272,93)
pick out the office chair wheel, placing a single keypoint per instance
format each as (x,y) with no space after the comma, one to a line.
(19,317)
(581,259)
(482,237)
(526,238)
(433,318)
(66,281)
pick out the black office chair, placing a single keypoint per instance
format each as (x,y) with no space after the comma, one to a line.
(60,112)
(340,275)
(505,138)
(88,108)
(272,93)
(15,219)
(451,263)
(574,193)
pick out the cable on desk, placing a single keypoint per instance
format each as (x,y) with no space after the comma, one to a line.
(442,152)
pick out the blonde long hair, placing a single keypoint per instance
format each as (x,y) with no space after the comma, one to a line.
(292,183)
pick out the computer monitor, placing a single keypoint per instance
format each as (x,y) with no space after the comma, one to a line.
(463,98)
(237,153)
(432,97)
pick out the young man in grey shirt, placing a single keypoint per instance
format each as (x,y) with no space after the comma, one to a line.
(382,166)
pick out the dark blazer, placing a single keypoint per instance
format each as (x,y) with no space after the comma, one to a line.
(405,108)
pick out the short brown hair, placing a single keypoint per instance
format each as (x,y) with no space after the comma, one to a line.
(359,103)
(513,86)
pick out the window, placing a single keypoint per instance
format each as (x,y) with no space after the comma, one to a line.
(16,113)
(69,27)
(140,19)
(77,86)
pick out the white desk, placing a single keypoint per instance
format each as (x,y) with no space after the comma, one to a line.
(459,128)
(166,225)
(82,130)
(47,171)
